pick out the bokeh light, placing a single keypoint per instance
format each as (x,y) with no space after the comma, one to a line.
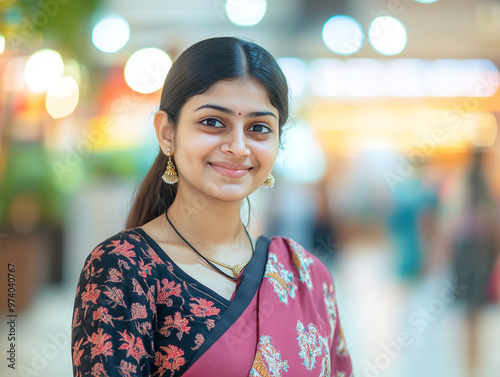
(462,78)
(62,97)
(387,35)
(2,44)
(146,70)
(73,69)
(296,73)
(42,69)
(111,34)
(403,78)
(343,35)
(246,12)
(426,1)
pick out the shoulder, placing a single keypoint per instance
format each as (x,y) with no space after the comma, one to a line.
(127,248)
(308,265)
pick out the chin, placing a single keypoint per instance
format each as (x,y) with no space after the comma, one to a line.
(231,192)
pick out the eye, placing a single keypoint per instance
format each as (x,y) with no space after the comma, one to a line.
(212,122)
(260,128)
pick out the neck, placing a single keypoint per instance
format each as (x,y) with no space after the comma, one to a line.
(209,223)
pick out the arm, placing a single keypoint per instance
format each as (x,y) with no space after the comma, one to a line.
(114,314)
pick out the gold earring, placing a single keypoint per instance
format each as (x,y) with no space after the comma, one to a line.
(170,175)
(269,182)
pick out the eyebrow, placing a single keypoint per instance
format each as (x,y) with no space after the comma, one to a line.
(253,114)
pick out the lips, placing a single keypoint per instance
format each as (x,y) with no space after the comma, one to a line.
(230,170)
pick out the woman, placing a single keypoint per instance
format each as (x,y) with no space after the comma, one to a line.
(186,290)
(475,248)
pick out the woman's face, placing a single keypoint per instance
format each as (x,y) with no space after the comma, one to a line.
(227,140)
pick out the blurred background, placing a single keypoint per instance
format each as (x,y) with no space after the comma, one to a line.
(389,172)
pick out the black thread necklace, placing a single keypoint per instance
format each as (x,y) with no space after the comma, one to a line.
(236,269)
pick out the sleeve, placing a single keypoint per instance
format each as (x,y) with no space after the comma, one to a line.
(114,314)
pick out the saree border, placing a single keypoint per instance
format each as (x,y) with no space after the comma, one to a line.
(248,285)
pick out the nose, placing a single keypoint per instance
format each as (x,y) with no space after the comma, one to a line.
(236,143)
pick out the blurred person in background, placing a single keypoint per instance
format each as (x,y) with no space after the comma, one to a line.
(185,289)
(475,248)
(413,208)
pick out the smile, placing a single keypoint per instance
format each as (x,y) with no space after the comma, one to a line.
(233,172)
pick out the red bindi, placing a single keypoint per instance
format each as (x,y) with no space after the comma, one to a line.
(239,113)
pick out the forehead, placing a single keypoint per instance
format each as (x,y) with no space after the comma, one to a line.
(240,93)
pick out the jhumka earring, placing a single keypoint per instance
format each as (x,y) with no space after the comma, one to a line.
(269,182)
(170,175)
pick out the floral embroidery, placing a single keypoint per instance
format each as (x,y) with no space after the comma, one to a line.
(302,262)
(99,371)
(125,249)
(267,360)
(154,257)
(151,299)
(94,255)
(172,361)
(114,275)
(133,345)
(341,344)
(280,278)
(122,263)
(166,290)
(100,345)
(121,291)
(77,352)
(135,237)
(203,308)
(312,345)
(75,318)
(178,323)
(137,287)
(143,327)
(138,311)
(144,269)
(210,324)
(326,366)
(127,369)
(329,297)
(198,341)
(91,293)
(101,313)
(115,296)
(92,272)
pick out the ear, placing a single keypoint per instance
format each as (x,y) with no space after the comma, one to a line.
(164,131)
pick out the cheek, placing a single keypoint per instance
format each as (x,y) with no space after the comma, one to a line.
(196,144)
(194,150)
(266,154)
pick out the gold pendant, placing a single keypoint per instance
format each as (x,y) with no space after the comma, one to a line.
(237,269)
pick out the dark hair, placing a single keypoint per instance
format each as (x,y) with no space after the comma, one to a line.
(194,72)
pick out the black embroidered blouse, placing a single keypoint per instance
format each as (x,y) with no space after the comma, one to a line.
(137,313)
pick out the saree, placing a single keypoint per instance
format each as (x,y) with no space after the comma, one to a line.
(283,320)
(136,313)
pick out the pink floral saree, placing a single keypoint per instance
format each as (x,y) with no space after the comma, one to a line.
(283,320)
